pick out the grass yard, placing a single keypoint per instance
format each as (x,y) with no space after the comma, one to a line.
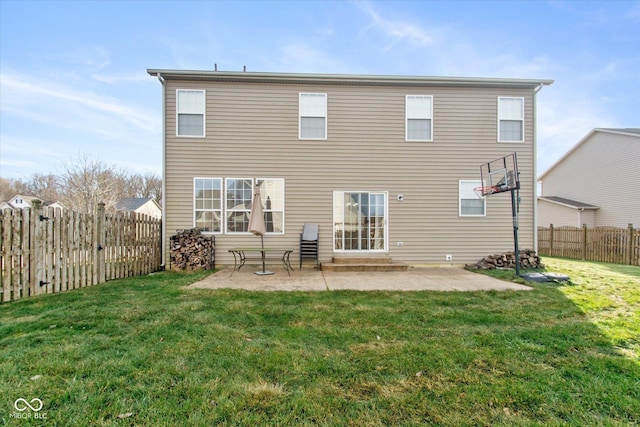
(148,352)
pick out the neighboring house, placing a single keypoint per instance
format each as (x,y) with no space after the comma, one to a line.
(147,206)
(384,164)
(596,183)
(19,202)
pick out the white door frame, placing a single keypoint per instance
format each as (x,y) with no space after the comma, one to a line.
(338,216)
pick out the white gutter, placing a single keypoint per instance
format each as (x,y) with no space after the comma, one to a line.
(535,165)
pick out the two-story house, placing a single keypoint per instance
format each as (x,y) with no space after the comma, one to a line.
(384,164)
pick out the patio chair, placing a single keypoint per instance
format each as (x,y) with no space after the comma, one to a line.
(309,243)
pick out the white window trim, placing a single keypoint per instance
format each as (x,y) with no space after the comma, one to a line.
(204,113)
(477,183)
(210,210)
(300,116)
(284,205)
(226,210)
(500,119)
(406,119)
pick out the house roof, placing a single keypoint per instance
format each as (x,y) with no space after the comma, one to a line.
(620,131)
(133,203)
(346,79)
(567,202)
(29,200)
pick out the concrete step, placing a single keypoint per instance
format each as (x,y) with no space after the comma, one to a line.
(362,260)
(342,267)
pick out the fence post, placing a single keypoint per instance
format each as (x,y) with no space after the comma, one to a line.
(630,245)
(38,251)
(100,243)
(551,240)
(584,241)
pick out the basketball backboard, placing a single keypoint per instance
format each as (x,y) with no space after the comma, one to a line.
(499,175)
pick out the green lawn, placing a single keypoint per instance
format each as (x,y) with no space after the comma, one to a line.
(148,352)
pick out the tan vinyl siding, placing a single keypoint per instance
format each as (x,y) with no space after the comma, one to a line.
(602,171)
(252,131)
(558,215)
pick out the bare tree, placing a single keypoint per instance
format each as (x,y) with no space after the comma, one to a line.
(148,186)
(152,186)
(46,187)
(88,181)
(83,183)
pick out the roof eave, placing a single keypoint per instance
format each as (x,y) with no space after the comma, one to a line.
(578,208)
(352,79)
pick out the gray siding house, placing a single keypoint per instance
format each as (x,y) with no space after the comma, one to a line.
(386,165)
(596,183)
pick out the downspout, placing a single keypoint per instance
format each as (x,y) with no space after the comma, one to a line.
(535,166)
(163,245)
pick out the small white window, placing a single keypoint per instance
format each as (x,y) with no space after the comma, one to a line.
(313,116)
(419,115)
(190,112)
(510,119)
(470,204)
(207,196)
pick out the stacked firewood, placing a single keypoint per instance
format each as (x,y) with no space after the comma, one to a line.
(191,250)
(528,260)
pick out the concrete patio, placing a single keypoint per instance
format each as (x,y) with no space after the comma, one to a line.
(311,279)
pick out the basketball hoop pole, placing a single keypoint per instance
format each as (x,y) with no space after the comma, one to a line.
(514,212)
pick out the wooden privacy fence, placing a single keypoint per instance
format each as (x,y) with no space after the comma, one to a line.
(604,244)
(47,250)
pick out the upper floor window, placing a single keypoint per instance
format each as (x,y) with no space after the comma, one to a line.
(190,112)
(313,115)
(510,119)
(419,114)
(469,203)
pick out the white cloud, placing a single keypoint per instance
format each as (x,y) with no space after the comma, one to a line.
(86,57)
(45,122)
(395,31)
(114,79)
(28,96)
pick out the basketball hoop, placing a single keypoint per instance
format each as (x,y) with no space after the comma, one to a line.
(486,190)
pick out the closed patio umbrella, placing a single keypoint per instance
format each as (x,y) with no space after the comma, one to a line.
(257,225)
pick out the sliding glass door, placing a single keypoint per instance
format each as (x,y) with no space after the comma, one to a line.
(360,221)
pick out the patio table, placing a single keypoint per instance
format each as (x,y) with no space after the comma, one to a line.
(240,256)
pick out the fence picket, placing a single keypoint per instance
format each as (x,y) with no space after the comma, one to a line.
(603,244)
(17,254)
(5,252)
(70,250)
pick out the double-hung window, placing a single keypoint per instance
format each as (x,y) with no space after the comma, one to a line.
(208,204)
(419,118)
(470,204)
(313,116)
(510,119)
(190,112)
(227,208)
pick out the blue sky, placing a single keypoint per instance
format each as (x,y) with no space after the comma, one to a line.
(73,73)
